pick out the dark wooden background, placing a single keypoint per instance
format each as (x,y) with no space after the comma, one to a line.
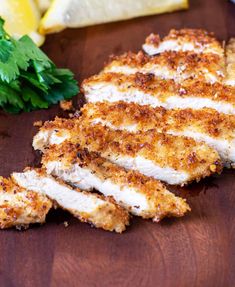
(197,250)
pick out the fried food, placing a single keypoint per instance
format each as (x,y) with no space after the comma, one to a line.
(20,207)
(177,66)
(149,90)
(89,207)
(173,159)
(205,125)
(140,195)
(230,62)
(196,40)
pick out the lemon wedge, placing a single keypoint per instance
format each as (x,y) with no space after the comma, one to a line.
(43,5)
(22,17)
(79,13)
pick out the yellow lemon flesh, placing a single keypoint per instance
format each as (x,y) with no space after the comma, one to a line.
(79,13)
(21,17)
(43,4)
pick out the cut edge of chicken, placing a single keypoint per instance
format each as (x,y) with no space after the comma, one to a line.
(140,151)
(140,195)
(141,89)
(170,65)
(20,207)
(196,40)
(206,125)
(88,207)
(230,62)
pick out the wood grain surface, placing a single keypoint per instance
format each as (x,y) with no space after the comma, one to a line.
(197,250)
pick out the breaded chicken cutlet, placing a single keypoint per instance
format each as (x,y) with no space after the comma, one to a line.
(165,115)
(149,90)
(206,125)
(230,62)
(140,195)
(173,159)
(20,207)
(196,40)
(101,212)
(177,66)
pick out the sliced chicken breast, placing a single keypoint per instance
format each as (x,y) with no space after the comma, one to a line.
(148,90)
(54,132)
(173,159)
(88,207)
(196,40)
(140,195)
(20,207)
(178,66)
(230,62)
(206,125)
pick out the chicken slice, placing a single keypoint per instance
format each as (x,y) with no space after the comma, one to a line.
(230,62)
(88,207)
(196,40)
(206,125)
(178,66)
(148,90)
(142,196)
(173,159)
(20,207)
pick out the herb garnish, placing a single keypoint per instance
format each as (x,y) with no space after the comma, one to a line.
(29,80)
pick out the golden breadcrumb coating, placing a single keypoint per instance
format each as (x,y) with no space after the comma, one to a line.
(163,89)
(163,203)
(171,65)
(230,62)
(167,151)
(145,117)
(178,153)
(20,207)
(200,40)
(205,125)
(107,214)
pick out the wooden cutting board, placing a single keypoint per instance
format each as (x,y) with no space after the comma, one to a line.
(197,250)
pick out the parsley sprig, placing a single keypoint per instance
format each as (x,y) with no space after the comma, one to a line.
(29,80)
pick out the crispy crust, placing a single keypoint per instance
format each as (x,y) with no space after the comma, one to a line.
(162,89)
(199,38)
(180,64)
(163,202)
(59,123)
(180,153)
(230,62)
(206,121)
(110,216)
(20,207)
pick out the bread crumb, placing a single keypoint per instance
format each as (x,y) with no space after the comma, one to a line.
(213,167)
(66,105)
(66,224)
(37,124)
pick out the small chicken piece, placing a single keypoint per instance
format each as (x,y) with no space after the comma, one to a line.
(148,90)
(230,62)
(55,132)
(173,159)
(206,125)
(196,40)
(140,195)
(88,207)
(177,66)
(20,207)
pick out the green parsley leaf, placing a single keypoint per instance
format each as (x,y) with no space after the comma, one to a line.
(29,80)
